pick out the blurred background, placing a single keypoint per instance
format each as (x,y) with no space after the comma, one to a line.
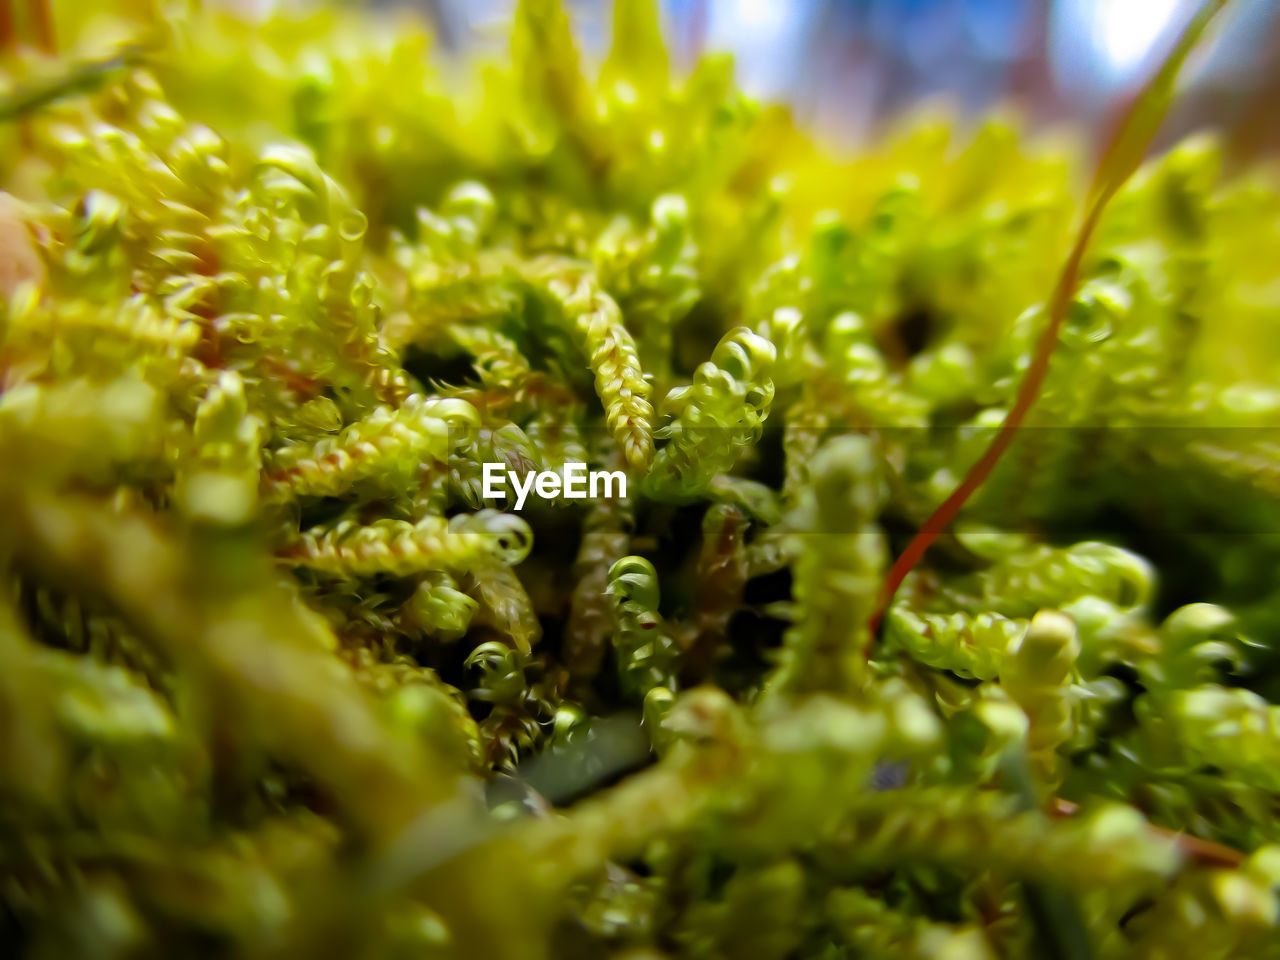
(848,65)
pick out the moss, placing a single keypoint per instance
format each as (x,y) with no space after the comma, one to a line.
(276,679)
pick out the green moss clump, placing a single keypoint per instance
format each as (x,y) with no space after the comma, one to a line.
(276,678)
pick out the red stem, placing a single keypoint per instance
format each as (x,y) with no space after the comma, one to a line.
(1027,394)
(1196,848)
(42,23)
(8,37)
(1124,151)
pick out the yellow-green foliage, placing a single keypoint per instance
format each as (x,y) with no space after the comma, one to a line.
(277,679)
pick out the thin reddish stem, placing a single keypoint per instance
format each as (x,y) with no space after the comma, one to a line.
(42,24)
(1027,394)
(8,35)
(1124,151)
(1198,849)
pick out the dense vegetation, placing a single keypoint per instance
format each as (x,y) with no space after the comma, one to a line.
(275,680)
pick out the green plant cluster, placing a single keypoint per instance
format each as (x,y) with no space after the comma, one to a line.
(276,680)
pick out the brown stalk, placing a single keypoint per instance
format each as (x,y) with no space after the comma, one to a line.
(42,23)
(1196,848)
(1124,151)
(1138,122)
(8,36)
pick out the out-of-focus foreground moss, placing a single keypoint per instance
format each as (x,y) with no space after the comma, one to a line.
(275,680)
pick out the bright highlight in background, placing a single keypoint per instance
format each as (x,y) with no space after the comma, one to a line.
(1128,29)
(764,36)
(1099,48)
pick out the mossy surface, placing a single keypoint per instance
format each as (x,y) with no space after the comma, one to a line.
(277,680)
